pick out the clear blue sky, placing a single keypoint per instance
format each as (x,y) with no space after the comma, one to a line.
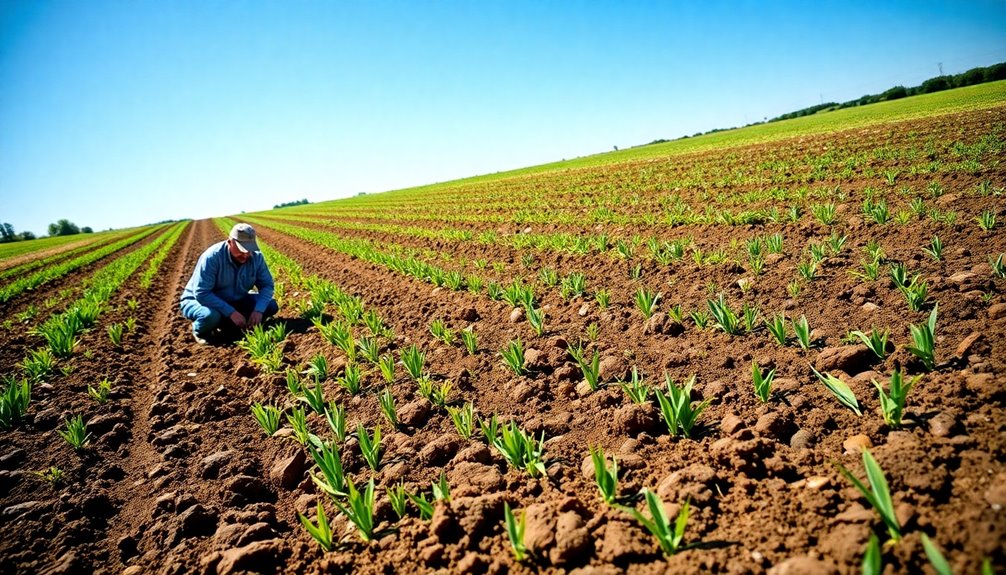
(115,114)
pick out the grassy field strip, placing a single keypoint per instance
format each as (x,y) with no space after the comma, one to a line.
(93,243)
(14,249)
(61,330)
(155,262)
(48,274)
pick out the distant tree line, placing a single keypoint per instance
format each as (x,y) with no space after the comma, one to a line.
(973,76)
(63,227)
(303,202)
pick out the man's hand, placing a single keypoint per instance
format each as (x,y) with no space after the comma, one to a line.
(254,319)
(238,320)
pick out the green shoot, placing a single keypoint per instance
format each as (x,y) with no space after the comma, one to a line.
(359,509)
(777,327)
(490,429)
(14,401)
(513,356)
(669,537)
(322,533)
(386,363)
(605,477)
(637,391)
(370,446)
(267,417)
(935,249)
(424,505)
(725,317)
(924,338)
(876,341)
(872,558)
(387,402)
(877,494)
(646,301)
(464,419)
(521,450)
(351,380)
(398,498)
(298,421)
(335,415)
(997,265)
(515,532)
(802,331)
(471,340)
(314,397)
(676,407)
(986,220)
(840,390)
(892,404)
(762,384)
(591,371)
(115,334)
(413,360)
(332,479)
(441,489)
(536,319)
(38,364)
(936,558)
(100,393)
(75,432)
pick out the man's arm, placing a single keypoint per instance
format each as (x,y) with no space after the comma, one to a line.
(207,270)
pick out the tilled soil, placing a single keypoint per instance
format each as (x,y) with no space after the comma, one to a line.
(180,479)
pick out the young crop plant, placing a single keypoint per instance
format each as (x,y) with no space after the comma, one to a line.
(750,313)
(935,249)
(807,270)
(474,283)
(997,265)
(322,533)
(817,253)
(700,318)
(836,243)
(646,301)
(762,383)
(490,428)
(675,313)
(75,432)
(871,270)
(373,322)
(298,421)
(470,340)
(369,349)
(986,220)
(603,298)
(388,410)
(915,293)
(637,391)
(14,401)
(464,419)
(825,213)
(293,384)
(876,340)
(351,379)
(335,415)
(513,356)
(605,477)
(924,340)
(591,370)
(725,317)
(840,390)
(548,277)
(802,330)
(676,407)
(54,476)
(314,397)
(899,275)
(593,331)
(794,288)
(398,498)
(359,509)
(386,363)
(877,494)
(115,334)
(441,331)
(892,403)
(773,244)
(515,532)
(100,393)
(332,479)
(370,446)
(38,364)
(423,505)
(267,417)
(442,489)
(878,212)
(520,449)
(667,535)
(317,367)
(454,280)
(494,291)
(536,318)
(413,360)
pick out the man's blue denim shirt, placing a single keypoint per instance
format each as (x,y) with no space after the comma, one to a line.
(218,280)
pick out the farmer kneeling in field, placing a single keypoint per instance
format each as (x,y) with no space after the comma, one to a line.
(220,286)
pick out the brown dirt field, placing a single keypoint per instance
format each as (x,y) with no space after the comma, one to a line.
(179,478)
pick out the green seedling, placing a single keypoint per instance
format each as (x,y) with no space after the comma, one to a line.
(668,536)
(638,392)
(413,360)
(876,341)
(398,498)
(605,477)
(359,509)
(591,370)
(762,383)
(777,327)
(115,334)
(924,339)
(322,533)
(878,494)
(38,364)
(423,505)
(725,317)
(935,249)
(521,450)
(603,298)
(267,417)
(676,407)
(386,363)
(536,319)
(872,558)
(892,403)
(314,397)
(513,356)
(998,266)
(332,479)
(75,432)
(463,418)
(802,331)
(387,403)
(646,301)
(335,415)
(14,401)
(840,390)
(490,428)
(293,383)
(100,393)
(515,532)
(441,489)
(351,379)
(986,220)
(471,340)
(370,446)
(936,559)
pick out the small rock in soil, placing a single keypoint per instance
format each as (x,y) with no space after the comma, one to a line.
(246,370)
(803,566)
(572,542)
(211,464)
(534,359)
(257,557)
(995,495)
(731,424)
(256,532)
(469,478)
(440,450)
(247,489)
(21,509)
(851,359)
(943,424)
(288,472)
(802,439)
(540,530)
(774,425)
(997,311)
(195,521)
(11,459)
(632,418)
(856,443)
(516,315)
(612,368)
(970,343)
(694,482)
(583,389)
(414,414)
(477,453)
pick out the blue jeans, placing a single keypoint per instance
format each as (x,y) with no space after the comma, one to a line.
(204,319)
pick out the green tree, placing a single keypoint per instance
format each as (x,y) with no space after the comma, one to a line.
(63,227)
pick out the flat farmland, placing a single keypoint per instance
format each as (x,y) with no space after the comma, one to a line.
(772,350)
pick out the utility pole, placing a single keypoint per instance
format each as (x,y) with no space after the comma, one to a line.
(940,65)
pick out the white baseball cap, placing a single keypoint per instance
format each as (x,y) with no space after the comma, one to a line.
(244,234)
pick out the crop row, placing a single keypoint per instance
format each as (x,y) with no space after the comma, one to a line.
(48,274)
(88,244)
